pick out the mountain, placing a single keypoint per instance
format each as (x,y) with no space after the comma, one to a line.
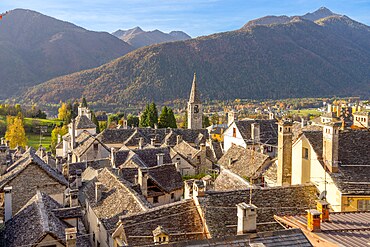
(35,48)
(139,38)
(300,58)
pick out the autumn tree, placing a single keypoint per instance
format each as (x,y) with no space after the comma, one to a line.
(95,121)
(63,112)
(54,135)
(15,133)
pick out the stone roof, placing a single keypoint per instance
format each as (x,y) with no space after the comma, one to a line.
(181,220)
(83,146)
(117,198)
(281,238)
(221,212)
(195,137)
(185,149)
(353,156)
(83,122)
(166,177)
(115,136)
(217,149)
(194,95)
(146,157)
(362,113)
(246,163)
(268,130)
(228,180)
(28,158)
(38,218)
(343,229)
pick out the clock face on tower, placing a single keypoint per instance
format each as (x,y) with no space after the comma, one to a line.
(196,109)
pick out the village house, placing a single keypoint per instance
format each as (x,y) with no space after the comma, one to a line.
(334,160)
(260,135)
(241,168)
(26,176)
(105,198)
(152,170)
(190,160)
(45,222)
(325,229)
(361,119)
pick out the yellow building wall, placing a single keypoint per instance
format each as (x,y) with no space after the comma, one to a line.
(217,137)
(350,203)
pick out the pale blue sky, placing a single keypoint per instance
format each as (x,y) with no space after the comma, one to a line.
(196,17)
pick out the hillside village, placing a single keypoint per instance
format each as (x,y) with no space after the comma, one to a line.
(249,182)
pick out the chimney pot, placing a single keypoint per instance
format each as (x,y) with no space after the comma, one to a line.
(313,220)
(8,208)
(178,139)
(160,159)
(141,143)
(98,191)
(73,198)
(323,207)
(78,178)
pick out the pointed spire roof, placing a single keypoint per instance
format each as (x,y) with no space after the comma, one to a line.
(194,95)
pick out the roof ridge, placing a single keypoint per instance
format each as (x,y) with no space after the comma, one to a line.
(44,219)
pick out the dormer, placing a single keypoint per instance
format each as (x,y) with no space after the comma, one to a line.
(161,236)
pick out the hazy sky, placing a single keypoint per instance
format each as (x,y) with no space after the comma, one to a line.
(196,17)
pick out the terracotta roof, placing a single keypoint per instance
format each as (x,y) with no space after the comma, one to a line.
(246,163)
(180,219)
(28,158)
(38,218)
(221,212)
(117,198)
(281,238)
(354,159)
(268,130)
(83,122)
(344,228)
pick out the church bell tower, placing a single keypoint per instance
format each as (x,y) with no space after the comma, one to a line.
(195,109)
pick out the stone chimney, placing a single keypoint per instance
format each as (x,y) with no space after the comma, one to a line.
(178,139)
(125,126)
(98,191)
(141,143)
(69,158)
(231,117)
(73,134)
(313,220)
(303,122)
(73,198)
(255,132)
(160,159)
(330,146)
(271,115)
(152,142)
(8,208)
(112,157)
(59,138)
(7,143)
(58,164)
(285,136)
(155,126)
(78,178)
(247,218)
(143,181)
(71,237)
(2,141)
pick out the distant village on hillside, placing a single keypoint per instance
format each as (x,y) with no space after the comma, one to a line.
(272,180)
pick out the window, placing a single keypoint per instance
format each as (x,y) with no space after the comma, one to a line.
(160,239)
(172,195)
(198,159)
(97,244)
(164,239)
(305,153)
(96,146)
(94,237)
(363,205)
(234,132)
(155,199)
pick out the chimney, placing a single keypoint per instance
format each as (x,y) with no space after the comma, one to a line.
(255,132)
(73,198)
(71,236)
(58,164)
(48,158)
(247,218)
(78,178)
(178,139)
(98,191)
(7,143)
(136,179)
(285,136)
(231,117)
(143,181)
(271,115)
(8,209)
(69,157)
(152,142)
(313,220)
(59,138)
(323,207)
(303,122)
(330,146)
(112,157)
(73,134)
(2,141)
(125,126)
(141,143)
(203,147)
(160,159)
(155,126)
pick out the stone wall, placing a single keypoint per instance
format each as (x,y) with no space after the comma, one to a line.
(220,210)
(31,179)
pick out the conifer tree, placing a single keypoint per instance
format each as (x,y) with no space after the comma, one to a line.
(163,118)
(152,115)
(95,121)
(206,122)
(171,119)
(84,103)
(15,132)
(144,117)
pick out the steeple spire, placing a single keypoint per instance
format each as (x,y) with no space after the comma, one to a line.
(194,96)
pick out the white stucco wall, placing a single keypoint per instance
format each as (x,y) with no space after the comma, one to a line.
(229,139)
